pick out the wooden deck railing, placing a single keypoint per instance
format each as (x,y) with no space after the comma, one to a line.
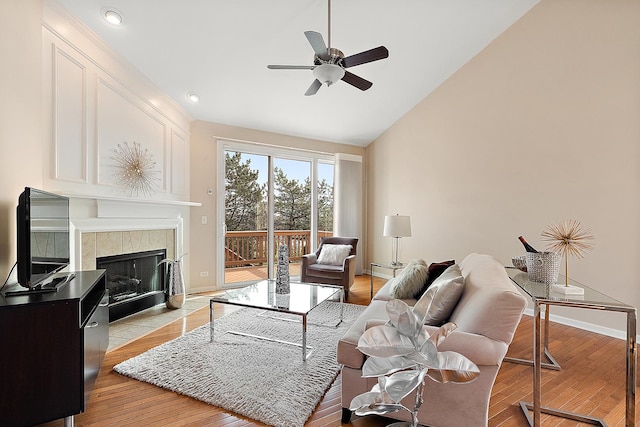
(244,248)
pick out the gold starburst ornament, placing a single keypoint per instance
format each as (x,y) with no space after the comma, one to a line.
(567,238)
(135,169)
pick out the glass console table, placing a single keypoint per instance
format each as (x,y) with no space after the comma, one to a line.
(541,294)
(388,266)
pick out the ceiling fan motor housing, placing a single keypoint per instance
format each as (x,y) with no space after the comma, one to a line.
(335,57)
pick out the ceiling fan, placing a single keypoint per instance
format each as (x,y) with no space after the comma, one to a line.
(329,63)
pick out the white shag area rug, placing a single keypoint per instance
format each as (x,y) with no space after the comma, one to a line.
(262,380)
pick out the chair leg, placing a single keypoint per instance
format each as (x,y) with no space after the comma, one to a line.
(346,415)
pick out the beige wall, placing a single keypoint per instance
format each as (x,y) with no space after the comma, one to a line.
(20,114)
(203,176)
(541,126)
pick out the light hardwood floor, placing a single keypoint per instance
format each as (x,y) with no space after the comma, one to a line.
(591,382)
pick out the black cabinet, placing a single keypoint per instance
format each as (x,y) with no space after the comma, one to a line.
(52,348)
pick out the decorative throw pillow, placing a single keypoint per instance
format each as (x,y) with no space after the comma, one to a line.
(334,254)
(435,270)
(411,279)
(438,302)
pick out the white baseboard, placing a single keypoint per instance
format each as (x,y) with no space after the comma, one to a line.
(591,327)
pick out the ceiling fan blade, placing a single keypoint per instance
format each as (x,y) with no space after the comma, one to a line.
(356,81)
(317,43)
(313,88)
(291,67)
(371,55)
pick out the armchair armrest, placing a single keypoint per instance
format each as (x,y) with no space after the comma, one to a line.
(349,262)
(311,258)
(349,267)
(307,260)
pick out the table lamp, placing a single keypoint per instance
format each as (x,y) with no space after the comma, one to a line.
(396,226)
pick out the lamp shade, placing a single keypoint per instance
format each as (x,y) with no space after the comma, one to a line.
(397,226)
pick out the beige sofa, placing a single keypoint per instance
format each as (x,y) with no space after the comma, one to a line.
(487,315)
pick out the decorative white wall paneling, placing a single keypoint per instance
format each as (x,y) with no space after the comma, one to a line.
(94,101)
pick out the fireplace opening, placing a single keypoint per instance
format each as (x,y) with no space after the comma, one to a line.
(135,281)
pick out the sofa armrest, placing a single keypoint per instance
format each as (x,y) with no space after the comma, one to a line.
(478,348)
(375,322)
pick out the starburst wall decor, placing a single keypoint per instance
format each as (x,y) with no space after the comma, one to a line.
(135,169)
(568,238)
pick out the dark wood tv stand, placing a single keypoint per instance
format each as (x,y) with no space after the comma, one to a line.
(52,348)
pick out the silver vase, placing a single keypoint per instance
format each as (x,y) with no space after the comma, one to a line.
(282,273)
(174,284)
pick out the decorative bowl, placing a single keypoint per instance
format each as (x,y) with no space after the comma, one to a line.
(519,262)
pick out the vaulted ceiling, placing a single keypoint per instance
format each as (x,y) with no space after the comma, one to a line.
(220,50)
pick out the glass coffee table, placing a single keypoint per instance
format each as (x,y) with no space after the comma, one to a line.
(303,298)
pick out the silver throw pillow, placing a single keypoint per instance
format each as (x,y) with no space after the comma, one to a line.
(437,303)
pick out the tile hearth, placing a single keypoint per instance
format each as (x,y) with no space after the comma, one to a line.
(137,325)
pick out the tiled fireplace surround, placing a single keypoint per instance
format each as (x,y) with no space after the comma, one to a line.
(123,227)
(108,243)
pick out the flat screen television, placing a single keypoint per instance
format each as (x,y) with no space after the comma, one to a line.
(43,236)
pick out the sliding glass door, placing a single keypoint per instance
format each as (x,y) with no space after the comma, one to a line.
(245,217)
(270,199)
(292,210)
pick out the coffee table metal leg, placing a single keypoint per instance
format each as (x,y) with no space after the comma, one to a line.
(304,337)
(211,321)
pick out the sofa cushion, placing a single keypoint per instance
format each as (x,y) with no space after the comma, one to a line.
(334,254)
(434,271)
(437,303)
(386,293)
(411,279)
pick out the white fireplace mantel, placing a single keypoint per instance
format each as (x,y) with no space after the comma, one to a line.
(91,213)
(131,200)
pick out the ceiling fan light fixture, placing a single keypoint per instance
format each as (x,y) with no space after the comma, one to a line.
(328,73)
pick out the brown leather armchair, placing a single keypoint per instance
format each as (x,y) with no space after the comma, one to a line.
(342,275)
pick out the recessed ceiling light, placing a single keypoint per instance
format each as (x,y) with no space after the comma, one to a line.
(112,16)
(193,97)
